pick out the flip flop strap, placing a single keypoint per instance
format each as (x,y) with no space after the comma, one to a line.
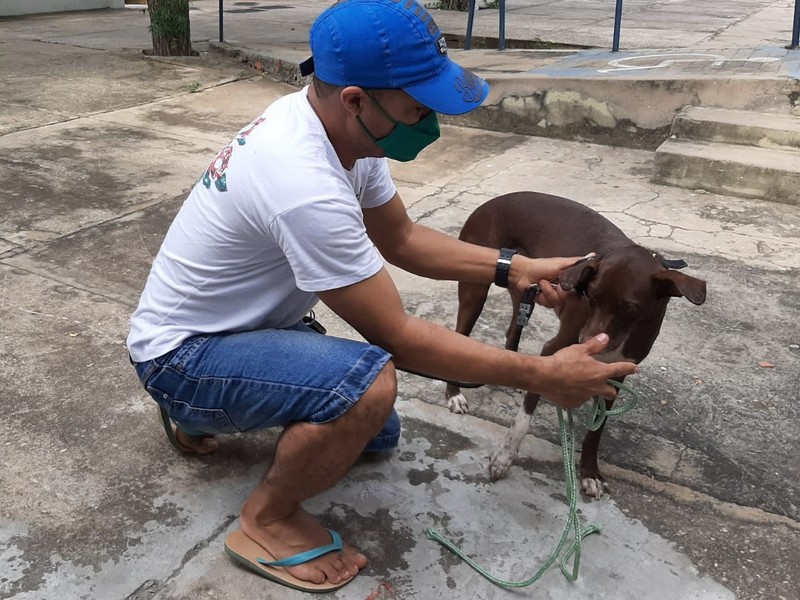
(167,423)
(308,555)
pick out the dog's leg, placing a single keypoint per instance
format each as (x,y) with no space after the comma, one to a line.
(501,460)
(471,298)
(571,316)
(593,483)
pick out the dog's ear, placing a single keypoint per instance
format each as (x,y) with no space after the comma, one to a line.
(674,283)
(578,275)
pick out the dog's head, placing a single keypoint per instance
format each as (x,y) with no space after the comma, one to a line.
(628,289)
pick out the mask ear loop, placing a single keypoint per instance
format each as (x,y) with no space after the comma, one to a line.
(385,114)
(380,108)
(368,132)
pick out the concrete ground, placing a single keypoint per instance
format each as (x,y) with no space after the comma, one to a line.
(98,148)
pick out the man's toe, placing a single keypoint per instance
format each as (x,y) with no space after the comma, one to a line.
(318,575)
(335,571)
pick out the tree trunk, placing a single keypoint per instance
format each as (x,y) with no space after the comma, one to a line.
(169,25)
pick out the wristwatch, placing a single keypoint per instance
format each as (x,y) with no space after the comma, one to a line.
(503,267)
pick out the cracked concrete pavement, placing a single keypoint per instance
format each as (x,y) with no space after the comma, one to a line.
(96,160)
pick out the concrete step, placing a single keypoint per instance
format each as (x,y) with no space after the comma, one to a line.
(749,172)
(738,127)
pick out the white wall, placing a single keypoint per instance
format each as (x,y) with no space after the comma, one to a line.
(10,8)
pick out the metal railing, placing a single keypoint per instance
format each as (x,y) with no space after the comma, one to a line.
(221,24)
(617,26)
(501,40)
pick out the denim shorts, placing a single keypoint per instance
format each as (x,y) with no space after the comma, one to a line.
(245,381)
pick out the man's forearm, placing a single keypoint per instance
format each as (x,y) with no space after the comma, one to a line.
(436,255)
(567,378)
(433,350)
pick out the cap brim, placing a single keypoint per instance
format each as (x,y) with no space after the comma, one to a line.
(453,92)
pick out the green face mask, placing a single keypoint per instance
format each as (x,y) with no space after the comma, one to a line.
(404,142)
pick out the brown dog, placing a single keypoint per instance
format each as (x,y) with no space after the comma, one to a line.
(623,292)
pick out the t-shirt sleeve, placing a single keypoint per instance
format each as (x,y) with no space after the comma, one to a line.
(326,244)
(379,187)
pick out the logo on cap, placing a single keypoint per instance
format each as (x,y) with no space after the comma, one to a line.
(469,85)
(441,44)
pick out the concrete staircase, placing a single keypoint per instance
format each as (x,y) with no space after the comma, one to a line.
(741,153)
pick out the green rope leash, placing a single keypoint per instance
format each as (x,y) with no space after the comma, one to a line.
(600,412)
(567,435)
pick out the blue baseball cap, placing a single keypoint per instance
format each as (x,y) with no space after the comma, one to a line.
(391,44)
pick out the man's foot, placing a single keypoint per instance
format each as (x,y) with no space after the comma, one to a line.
(300,532)
(192,444)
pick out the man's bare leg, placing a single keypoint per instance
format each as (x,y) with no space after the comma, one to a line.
(308,460)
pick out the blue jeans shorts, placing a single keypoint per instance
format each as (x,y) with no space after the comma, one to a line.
(237,382)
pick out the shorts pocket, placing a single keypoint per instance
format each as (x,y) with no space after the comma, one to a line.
(207,420)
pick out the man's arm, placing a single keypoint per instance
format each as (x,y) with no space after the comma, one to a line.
(436,255)
(374,308)
(423,251)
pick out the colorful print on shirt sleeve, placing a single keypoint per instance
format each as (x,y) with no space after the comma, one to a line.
(216,170)
(242,135)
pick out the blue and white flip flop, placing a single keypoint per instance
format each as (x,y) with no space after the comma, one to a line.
(248,553)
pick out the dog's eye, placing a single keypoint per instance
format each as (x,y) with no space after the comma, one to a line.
(628,308)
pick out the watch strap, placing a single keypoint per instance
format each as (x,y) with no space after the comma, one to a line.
(503,267)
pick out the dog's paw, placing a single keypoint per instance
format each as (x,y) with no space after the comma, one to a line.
(594,487)
(499,464)
(458,404)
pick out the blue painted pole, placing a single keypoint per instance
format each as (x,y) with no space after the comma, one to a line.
(796,27)
(220,21)
(501,42)
(470,19)
(617,23)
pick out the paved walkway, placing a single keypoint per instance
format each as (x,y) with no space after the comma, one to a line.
(714,39)
(733,29)
(98,147)
(730,54)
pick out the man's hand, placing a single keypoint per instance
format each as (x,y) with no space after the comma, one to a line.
(574,376)
(543,271)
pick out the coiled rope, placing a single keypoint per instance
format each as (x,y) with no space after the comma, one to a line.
(573,546)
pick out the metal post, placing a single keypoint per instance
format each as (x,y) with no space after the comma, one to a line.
(470,19)
(617,23)
(501,42)
(221,37)
(796,27)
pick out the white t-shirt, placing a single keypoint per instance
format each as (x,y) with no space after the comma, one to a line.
(273,220)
